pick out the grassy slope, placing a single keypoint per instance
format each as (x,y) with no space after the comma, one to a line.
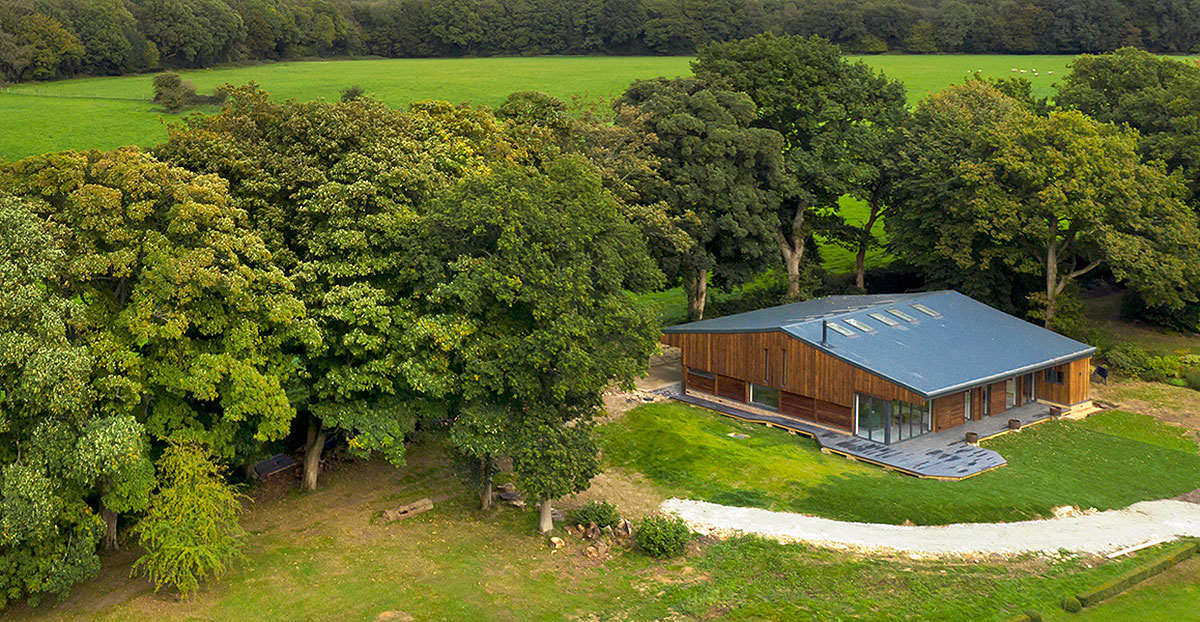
(1173,595)
(1107,461)
(325,556)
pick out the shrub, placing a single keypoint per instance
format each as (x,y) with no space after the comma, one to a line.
(172,91)
(352,93)
(603,513)
(1161,368)
(1072,604)
(1193,379)
(1127,359)
(660,535)
(191,529)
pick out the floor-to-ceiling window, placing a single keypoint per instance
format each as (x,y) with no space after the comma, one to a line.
(887,421)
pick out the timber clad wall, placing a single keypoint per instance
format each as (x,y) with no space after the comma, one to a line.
(947,411)
(818,387)
(759,358)
(1075,387)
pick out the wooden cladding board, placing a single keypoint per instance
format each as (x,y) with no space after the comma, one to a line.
(701,383)
(760,358)
(732,388)
(948,411)
(817,411)
(1076,386)
(999,395)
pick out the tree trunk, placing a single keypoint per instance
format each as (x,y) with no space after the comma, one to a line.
(791,246)
(545,522)
(1051,272)
(110,527)
(860,257)
(312,452)
(485,490)
(696,287)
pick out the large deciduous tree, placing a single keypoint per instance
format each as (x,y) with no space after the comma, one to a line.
(720,177)
(58,452)
(524,278)
(186,320)
(836,118)
(333,188)
(1050,196)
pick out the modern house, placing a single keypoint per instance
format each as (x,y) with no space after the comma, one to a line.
(884,368)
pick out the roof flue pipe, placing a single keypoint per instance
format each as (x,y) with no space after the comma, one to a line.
(824,333)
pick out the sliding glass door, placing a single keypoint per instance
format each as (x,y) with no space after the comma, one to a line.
(885,421)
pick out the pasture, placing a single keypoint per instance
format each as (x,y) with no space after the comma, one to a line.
(108,112)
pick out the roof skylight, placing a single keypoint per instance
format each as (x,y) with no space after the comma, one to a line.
(841,330)
(926,310)
(859,325)
(902,315)
(883,318)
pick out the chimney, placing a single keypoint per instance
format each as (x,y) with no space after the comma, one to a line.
(824,333)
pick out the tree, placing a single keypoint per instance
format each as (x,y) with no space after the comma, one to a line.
(58,453)
(191,529)
(189,324)
(1159,97)
(722,178)
(1053,197)
(334,189)
(523,294)
(53,51)
(834,116)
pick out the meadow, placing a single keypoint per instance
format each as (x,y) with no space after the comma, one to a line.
(108,112)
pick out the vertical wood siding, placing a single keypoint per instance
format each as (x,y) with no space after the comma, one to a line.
(1076,386)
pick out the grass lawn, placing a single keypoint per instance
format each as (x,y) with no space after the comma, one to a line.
(326,556)
(1105,313)
(1172,595)
(1109,460)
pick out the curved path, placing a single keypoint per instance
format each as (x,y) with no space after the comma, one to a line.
(1099,533)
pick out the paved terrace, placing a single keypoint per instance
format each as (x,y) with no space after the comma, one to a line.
(942,455)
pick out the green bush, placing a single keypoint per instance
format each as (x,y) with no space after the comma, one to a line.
(1161,368)
(660,535)
(1072,604)
(603,513)
(1120,583)
(1193,379)
(1127,359)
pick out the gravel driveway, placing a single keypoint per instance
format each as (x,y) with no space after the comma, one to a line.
(1097,533)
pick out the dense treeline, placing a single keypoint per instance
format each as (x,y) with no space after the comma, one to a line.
(283,271)
(42,39)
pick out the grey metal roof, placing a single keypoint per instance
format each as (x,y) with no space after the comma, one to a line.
(968,345)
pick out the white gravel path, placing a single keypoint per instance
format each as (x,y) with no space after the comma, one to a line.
(1097,533)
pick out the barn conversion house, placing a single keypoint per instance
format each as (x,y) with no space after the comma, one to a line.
(883,368)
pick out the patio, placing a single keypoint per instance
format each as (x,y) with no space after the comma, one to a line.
(941,455)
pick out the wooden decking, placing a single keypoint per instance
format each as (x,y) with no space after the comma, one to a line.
(943,455)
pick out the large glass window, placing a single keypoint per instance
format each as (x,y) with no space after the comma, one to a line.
(764,396)
(890,421)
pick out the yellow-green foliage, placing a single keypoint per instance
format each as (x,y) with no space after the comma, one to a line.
(191,530)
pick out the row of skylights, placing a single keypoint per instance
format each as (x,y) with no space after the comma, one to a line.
(926,310)
(841,330)
(859,325)
(883,318)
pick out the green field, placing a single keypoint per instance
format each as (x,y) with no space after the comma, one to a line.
(1113,459)
(113,111)
(329,556)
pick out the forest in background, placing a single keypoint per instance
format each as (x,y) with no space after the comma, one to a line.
(48,39)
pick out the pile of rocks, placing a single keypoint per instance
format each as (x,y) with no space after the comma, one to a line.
(599,539)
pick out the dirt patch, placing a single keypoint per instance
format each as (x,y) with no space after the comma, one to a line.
(394,616)
(633,494)
(1174,405)
(664,370)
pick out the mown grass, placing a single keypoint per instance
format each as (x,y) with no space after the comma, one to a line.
(1173,595)
(1110,460)
(327,556)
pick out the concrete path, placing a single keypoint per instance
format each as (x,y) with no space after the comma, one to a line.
(1098,533)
